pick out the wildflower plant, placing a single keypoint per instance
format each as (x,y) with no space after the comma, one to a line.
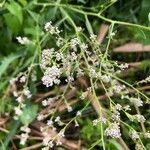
(71,77)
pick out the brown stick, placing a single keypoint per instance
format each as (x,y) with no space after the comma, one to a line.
(32,147)
(102,33)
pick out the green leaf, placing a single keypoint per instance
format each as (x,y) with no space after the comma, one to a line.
(141,35)
(149,17)
(145,9)
(12,131)
(15,9)
(23,2)
(29,114)
(114,145)
(12,23)
(6,61)
(88,25)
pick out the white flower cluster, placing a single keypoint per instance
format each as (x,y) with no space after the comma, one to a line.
(60,41)
(51,76)
(113,130)
(23,40)
(79,113)
(139,118)
(106,78)
(25,135)
(116,115)
(136,101)
(79,29)
(48,139)
(46,57)
(20,96)
(93,73)
(51,29)
(134,135)
(99,120)
(47,102)
(145,80)
(41,117)
(138,146)
(124,66)
(127,108)
(147,135)
(84,47)
(22,79)
(84,95)
(27,93)
(117,88)
(18,111)
(93,37)
(80,72)
(74,42)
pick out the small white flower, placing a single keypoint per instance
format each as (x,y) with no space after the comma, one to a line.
(93,37)
(92,73)
(46,57)
(61,133)
(25,129)
(49,122)
(27,93)
(84,95)
(103,120)
(79,29)
(95,122)
(15,94)
(22,79)
(126,108)
(134,135)
(138,102)
(138,146)
(78,113)
(49,27)
(140,118)
(106,78)
(84,46)
(58,56)
(51,76)
(22,40)
(69,108)
(57,119)
(74,42)
(23,139)
(113,131)
(59,42)
(147,135)
(12,81)
(124,66)
(80,72)
(45,102)
(118,107)
(40,117)
(18,111)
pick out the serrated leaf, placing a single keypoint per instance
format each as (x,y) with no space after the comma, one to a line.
(29,114)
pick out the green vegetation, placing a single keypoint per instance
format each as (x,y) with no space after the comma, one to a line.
(74,74)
